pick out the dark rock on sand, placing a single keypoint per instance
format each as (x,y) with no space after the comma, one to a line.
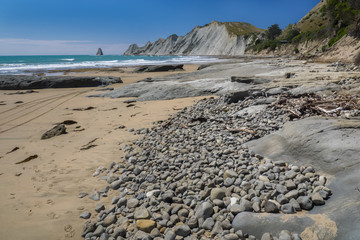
(19,82)
(159,68)
(55,131)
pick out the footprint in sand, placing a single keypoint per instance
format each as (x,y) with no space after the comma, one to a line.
(70,231)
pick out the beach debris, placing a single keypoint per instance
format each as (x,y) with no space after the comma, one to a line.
(84,109)
(22,92)
(130,101)
(104,89)
(13,150)
(89,145)
(55,131)
(82,194)
(28,159)
(312,104)
(68,122)
(18,102)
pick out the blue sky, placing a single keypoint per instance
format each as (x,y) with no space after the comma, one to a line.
(81,26)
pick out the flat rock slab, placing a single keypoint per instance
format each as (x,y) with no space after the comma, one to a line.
(213,80)
(21,82)
(159,68)
(331,146)
(309,225)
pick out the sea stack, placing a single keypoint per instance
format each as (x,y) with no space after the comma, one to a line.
(99,52)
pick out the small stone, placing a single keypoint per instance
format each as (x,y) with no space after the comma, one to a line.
(119,231)
(208,224)
(285,235)
(98,231)
(141,213)
(168,196)
(245,205)
(104,236)
(288,209)
(217,193)
(110,219)
(290,174)
(170,235)
(282,199)
(317,199)
(99,207)
(292,194)
(95,196)
(305,202)
(205,210)
(132,203)
(116,184)
(295,204)
(85,215)
(230,174)
(271,207)
(229,182)
(145,225)
(264,178)
(141,235)
(290,185)
(182,230)
(267,236)
(153,193)
(193,222)
(89,226)
(231,236)
(82,194)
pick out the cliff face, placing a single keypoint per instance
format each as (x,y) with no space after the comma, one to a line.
(216,38)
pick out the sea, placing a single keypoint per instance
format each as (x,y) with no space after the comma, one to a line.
(29,64)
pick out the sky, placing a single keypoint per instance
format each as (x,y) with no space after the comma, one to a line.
(42,27)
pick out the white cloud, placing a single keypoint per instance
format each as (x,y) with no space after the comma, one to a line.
(19,46)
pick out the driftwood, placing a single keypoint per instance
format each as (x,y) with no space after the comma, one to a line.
(299,106)
(240,130)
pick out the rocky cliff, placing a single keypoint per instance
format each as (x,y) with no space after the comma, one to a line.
(216,38)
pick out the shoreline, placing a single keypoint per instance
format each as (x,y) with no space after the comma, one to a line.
(40,196)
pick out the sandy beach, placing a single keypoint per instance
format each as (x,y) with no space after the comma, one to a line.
(40,180)
(40,197)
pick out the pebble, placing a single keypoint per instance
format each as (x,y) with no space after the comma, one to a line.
(188,177)
(85,215)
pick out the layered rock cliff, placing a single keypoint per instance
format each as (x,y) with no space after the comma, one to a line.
(216,38)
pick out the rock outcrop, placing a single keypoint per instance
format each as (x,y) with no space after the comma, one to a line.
(159,68)
(21,82)
(99,52)
(216,38)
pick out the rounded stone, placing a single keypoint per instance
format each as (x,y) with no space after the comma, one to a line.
(182,230)
(217,193)
(145,225)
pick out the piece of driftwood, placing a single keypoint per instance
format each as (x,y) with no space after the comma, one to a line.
(236,130)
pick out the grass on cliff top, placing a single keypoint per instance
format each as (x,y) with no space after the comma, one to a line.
(241,28)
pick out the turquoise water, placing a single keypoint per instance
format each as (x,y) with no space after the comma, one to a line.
(22,64)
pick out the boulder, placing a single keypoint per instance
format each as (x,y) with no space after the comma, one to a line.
(21,82)
(159,68)
(55,131)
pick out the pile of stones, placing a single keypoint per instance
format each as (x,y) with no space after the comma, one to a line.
(343,67)
(188,177)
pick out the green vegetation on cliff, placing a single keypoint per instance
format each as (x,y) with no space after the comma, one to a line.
(331,19)
(241,28)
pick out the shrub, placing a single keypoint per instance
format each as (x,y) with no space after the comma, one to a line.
(273,31)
